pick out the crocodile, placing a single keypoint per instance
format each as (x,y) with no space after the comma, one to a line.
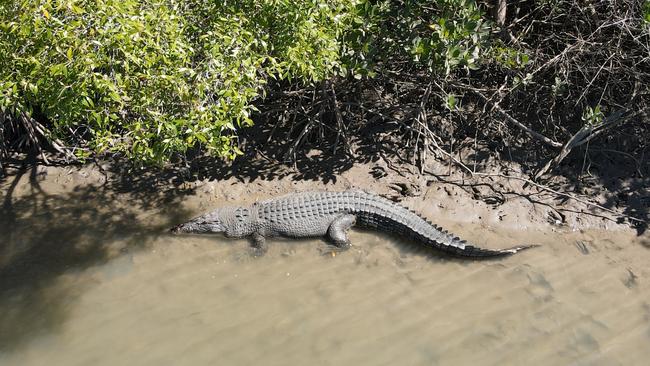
(332,214)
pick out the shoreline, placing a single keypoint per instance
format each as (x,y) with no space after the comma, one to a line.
(453,197)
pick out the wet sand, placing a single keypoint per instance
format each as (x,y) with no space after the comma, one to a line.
(90,276)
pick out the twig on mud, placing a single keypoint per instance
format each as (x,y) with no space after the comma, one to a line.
(588,213)
(263,155)
(390,165)
(528,197)
(34,135)
(452,158)
(31,139)
(564,194)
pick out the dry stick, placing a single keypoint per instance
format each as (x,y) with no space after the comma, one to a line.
(294,117)
(433,138)
(522,126)
(593,79)
(451,142)
(584,135)
(308,127)
(275,126)
(570,47)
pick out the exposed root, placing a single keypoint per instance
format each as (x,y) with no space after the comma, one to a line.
(32,135)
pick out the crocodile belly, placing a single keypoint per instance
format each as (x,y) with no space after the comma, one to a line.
(301,228)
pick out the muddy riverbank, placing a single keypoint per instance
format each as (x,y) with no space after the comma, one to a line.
(89,274)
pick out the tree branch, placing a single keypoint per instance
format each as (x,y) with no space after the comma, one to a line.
(518,124)
(585,134)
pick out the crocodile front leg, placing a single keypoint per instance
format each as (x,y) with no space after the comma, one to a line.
(338,230)
(258,244)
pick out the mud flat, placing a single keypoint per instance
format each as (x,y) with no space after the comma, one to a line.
(90,275)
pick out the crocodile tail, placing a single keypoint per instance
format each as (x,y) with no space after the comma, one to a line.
(519,248)
(479,253)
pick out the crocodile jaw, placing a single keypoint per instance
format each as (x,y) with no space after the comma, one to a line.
(209,223)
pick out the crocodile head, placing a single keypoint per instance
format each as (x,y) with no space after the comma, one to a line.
(231,221)
(208,223)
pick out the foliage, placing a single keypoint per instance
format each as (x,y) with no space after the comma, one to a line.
(158,79)
(152,78)
(121,73)
(508,57)
(592,116)
(442,35)
(459,35)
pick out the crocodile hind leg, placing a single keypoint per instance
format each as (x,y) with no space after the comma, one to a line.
(338,230)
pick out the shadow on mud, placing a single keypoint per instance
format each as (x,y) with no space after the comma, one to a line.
(45,236)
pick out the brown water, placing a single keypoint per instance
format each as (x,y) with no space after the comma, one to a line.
(90,277)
